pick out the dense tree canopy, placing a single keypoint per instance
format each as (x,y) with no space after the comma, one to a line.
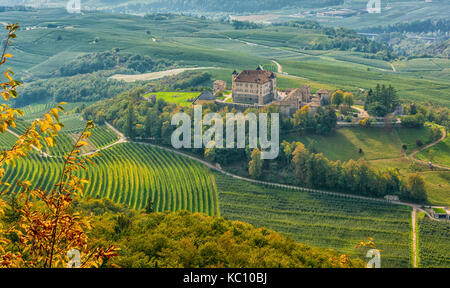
(381,101)
(112,60)
(183,239)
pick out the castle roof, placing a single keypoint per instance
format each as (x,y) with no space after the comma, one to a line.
(255,76)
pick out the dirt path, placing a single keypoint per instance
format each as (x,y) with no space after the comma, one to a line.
(393,67)
(412,156)
(414,237)
(279,67)
(363,113)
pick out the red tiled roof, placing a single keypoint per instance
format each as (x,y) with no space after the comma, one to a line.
(255,76)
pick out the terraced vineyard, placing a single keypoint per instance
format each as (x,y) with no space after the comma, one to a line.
(320,220)
(72,122)
(129,173)
(101,137)
(434,245)
(34,111)
(7,140)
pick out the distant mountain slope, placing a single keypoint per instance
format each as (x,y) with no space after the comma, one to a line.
(189,5)
(239,5)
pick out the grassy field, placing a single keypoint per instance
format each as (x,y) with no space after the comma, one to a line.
(434,243)
(320,220)
(376,143)
(382,148)
(438,187)
(179,98)
(439,153)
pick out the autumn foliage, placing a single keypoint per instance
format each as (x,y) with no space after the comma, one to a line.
(45,227)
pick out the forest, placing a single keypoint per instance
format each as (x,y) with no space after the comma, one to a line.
(78,88)
(113,60)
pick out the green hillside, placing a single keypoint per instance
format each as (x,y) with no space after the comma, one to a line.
(320,220)
(195,42)
(129,174)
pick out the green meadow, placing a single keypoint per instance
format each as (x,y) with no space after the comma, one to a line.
(180,98)
(382,148)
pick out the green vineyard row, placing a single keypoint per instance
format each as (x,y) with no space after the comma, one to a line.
(129,173)
(320,220)
(434,244)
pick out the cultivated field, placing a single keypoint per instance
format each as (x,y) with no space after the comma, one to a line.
(192,42)
(320,220)
(439,154)
(434,243)
(130,173)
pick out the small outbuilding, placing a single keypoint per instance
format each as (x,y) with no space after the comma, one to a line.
(205,96)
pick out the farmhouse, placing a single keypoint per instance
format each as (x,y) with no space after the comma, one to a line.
(254,86)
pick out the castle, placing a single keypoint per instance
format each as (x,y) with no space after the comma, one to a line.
(254,86)
(259,87)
